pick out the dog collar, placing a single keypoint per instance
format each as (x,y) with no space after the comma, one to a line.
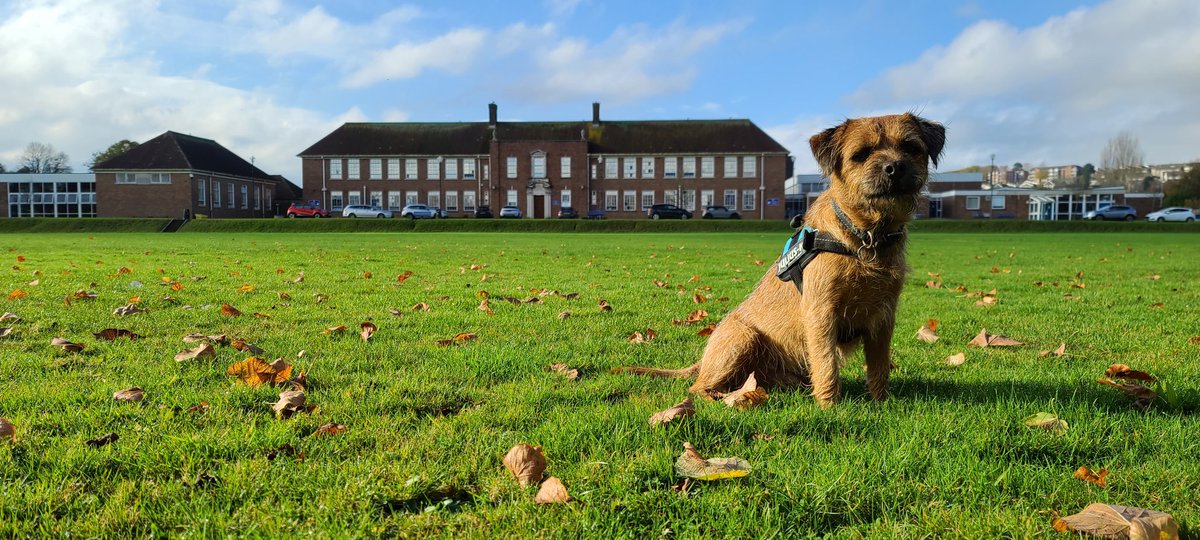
(866,237)
(806,243)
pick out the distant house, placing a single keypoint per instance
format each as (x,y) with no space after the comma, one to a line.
(175,174)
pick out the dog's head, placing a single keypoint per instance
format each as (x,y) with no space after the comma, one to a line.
(880,162)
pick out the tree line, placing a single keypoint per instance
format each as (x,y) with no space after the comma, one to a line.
(42,158)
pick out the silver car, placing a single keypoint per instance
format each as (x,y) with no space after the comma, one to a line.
(359,210)
(418,211)
(720,212)
(1173,213)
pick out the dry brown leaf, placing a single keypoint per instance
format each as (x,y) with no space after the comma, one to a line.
(366,330)
(330,429)
(1122,371)
(933,284)
(680,410)
(956,359)
(565,370)
(1046,421)
(1194,340)
(66,345)
(552,491)
(102,440)
(985,339)
(6,331)
(299,278)
(746,397)
(230,311)
(928,332)
(1143,396)
(420,306)
(526,463)
(691,464)
(8,430)
(699,298)
(707,330)
(254,372)
(486,306)
(1111,521)
(129,394)
(262,316)
(128,309)
(604,305)
(110,334)
(246,288)
(217,339)
(199,408)
(465,336)
(404,277)
(203,351)
(1086,474)
(82,294)
(290,402)
(285,296)
(10,316)
(564,315)
(334,329)
(17,294)
(246,346)
(1061,350)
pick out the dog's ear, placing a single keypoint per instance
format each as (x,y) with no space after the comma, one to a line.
(933,135)
(827,150)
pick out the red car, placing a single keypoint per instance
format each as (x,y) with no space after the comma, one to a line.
(306,210)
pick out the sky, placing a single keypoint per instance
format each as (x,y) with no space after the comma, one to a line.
(1041,82)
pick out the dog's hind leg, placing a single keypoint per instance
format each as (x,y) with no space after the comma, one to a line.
(734,351)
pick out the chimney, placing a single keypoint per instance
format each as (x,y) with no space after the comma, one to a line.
(595,113)
(492,114)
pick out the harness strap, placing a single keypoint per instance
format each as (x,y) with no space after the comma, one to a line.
(806,243)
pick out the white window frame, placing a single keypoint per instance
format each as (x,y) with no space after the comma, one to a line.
(201,192)
(216,192)
(468,201)
(393,169)
(564,200)
(708,167)
(972,202)
(451,201)
(537,164)
(689,167)
(411,197)
(510,166)
(393,199)
(687,199)
(749,166)
(245,197)
(433,199)
(647,199)
(611,200)
(629,167)
(707,198)
(375,199)
(354,198)
(670,196)
(433,169)
(452,169)
(998,199)
(648,167)
(731,166)
(337,201)
(629,201)
(258,197)
(511,198)
(335,169)
(410,169)
(468,169)
(230,203)
(670,167)
(564,167)
(749,199)
(352,172)
(376,169)
(610,167)
(730,200)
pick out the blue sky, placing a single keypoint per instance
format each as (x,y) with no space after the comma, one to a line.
(1040,82)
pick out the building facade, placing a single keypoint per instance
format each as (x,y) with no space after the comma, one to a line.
(620,168)
(48,195)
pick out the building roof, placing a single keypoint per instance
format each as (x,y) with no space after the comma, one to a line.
(609,137)
(176,151)
(285,189)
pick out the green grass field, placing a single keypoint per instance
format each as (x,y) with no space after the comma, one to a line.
(428,425)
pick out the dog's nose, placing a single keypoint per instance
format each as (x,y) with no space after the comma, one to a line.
(894,169)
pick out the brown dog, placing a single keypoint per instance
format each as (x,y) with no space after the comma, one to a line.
(800,332)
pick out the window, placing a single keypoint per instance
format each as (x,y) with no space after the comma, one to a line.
(433,199)
(142,178)
(564,167)
(669,165)
(706,198)
(487,171)
(452,201)
(610,200)
(629,201)
(731,199)
(647,199)
(671,197)
(539,165)
(749,167)
(708,167)
(565,200)
(630,167)
(336,202)
(394,200)
(216,195)
(748,199)
(647,167)
(511,199)
(997,202)
(410,169)
(377,199)
(230,202)
(410,197)
(245,198)
(469,169)
(687,199)
(433,169)
(452,169)
(268,192)
(689,167)
(393,171)
(354,198)
(376,169)
(257,197)
(487,197)
(352,169)
(973,202)
(610,168)
(201,192)
(469,201)
(511,163)
(730,166)
(335,169)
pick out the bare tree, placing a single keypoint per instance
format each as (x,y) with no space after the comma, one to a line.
(1122,160)
(43,158)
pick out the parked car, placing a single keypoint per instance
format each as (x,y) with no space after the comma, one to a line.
(483,212)
(1114,211)
(439,213)
(667,211)
(567,212)
(306,210)
(418,211)
(510,212)
(1173,213)
(595,213)
(720,212)
(362,210)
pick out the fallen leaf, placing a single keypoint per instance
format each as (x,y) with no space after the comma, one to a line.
(199,408)
(1122,371)
(928,332)
(565,370)
(176,286)
(8,430)
(299,278)
(10,316)
(334,329)
(486,306)
(1061,350)
(707,330)
(933,284)
(109,334)
(203,351)
(102,440)
(420,306)
(366,330)
(1086,474)
(465,336)
(699,298)
(1046,421)
(230,311)
(246,288)
(129,394)
(985,339)
(6,331)
(285,296)
(366,275)
(66,345)
(290,402)
(245,346)
(746,397)
(526,463)
(552,491)
(217,339)
(680,410)
(956,359)
(604,305)
(285,450)
(564,315)
(1194,340)
(1143,396)
(34,283)
(692,465)
(1111,521)
(262,316)
(84,294)
(254,372)
(404,277)
(330,429)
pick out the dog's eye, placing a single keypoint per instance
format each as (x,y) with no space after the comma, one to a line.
(911,147)
(861,155)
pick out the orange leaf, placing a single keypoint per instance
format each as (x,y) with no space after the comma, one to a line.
(552,491)
(526,462)
(680,410)
(1122,371)
(245,346)
(285,296)
(110,334)
(465,336)
(707,330)
(366,330)
(565,370)
(330,429)
(486,307)
(176,286)
(366,275)
(246,288)
(420,306)
(230,311)
(334,329)
(1097,477)
(1061,350)
(748,396)
(404,277)
(262,316)
(698,298)
(254,372)
(16,294)
(604,305)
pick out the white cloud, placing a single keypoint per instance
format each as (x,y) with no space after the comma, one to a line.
(1057,91)
(453,52)
(562,8)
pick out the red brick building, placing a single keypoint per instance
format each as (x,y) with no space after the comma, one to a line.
(620,167)
(175,173)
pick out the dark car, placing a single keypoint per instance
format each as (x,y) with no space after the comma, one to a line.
(483,212)
(567,213)
(667,211)
(1115,211)
(306,210)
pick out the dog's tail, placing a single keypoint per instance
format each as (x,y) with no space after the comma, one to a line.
(684,373)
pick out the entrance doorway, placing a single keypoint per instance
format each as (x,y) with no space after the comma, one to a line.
(539,207)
